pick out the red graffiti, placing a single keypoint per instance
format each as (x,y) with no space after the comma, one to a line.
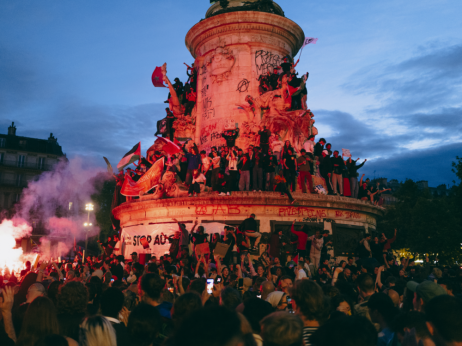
(338,213)
(201,210)
(207,130)
(352,215)
(234,210)
(300,211)
(219,209)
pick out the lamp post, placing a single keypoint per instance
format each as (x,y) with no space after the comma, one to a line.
(88,208)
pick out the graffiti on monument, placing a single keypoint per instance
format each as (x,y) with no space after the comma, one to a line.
(243,86)
(266,61)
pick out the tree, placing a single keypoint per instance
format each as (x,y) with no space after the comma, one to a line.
(102,201)
(427,225)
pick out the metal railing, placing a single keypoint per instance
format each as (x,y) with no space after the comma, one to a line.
(29,165)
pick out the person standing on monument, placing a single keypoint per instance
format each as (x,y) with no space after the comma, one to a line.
(325,168)
(232,168)
(303,163)
(194,163)
(309,145)
(273,79)
(265,135)
(244,170)
(318,148)
(290,172)
(191,97)
(337,178)
(270,163)
(230,137)
(353,173)
(206,167)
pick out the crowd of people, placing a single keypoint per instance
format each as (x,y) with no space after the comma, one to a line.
(295,293)
(272,165)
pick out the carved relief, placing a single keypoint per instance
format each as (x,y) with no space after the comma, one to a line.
(185,126)
(220,64)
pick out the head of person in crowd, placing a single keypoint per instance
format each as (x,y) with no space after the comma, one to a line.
(185,305)
(97,331)
(381,309)
(282,328)
(412,324)
(255,310)
(40,320)
(144,325)
(150,288)
(34,291)
(424,293)
(134,256)
(27,281)
(309,303)
(448,285)
(346,331)
(342,303)
(366,285)
(212,326)
(285,284)
(230,298)
(444,320)
(72,298)
(266,288)
(278,300)
(112,302)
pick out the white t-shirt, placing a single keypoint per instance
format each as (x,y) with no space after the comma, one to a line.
(301,274)
(206,162)
(309,146)
(277,146)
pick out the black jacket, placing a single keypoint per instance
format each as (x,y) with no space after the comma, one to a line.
(248,224)
(318,148)
(325,166)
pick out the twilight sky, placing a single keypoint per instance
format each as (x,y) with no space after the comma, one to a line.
(385,77)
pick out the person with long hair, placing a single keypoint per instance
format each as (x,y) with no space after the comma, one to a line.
(97,331)
(72,307)
(40,320)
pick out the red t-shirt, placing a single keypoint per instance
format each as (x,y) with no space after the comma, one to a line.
(302,237)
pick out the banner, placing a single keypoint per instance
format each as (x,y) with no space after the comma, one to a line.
(156,237)
(149,180)
(346,152)
(167,146)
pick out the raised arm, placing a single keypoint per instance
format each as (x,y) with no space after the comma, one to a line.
(361,180)
(252,270)
(6,304)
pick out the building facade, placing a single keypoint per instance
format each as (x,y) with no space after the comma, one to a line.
(21,160)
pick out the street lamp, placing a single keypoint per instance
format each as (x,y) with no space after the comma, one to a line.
(89,208)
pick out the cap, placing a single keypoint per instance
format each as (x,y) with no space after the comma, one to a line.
(98,273)
(426,290)
(133,253)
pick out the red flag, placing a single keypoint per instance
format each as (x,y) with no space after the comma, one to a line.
(148,181)
(168,146)
(158,78)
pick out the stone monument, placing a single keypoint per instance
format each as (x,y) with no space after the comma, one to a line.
(236,43)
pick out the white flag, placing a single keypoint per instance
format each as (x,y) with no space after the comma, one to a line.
(309,40)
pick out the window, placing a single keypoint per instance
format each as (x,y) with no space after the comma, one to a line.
(19,179)
(41,163)
(22,144)
(1,157)
(17,197)
(2,142)
(21,160)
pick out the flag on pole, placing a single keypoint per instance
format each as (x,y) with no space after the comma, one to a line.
(158,78)
(130,157)
(309,40)
(167,145)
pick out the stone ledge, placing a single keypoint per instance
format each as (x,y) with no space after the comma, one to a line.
(250,198)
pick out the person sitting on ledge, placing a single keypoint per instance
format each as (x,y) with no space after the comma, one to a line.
(281,186)
(197,179)
(363,192)
(223,186)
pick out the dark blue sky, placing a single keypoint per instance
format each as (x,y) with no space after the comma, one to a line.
(385,77)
